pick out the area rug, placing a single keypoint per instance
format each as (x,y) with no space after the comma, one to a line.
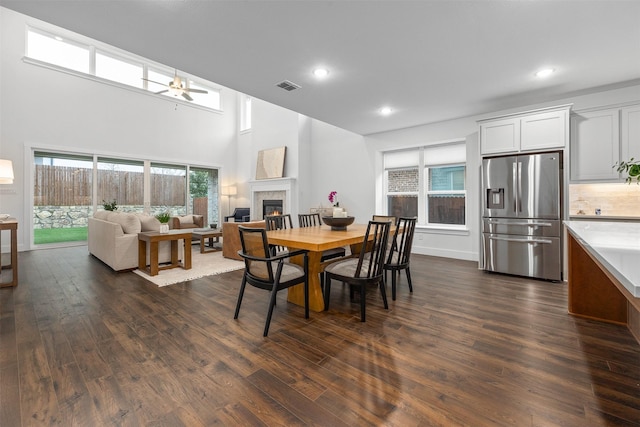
(207,264)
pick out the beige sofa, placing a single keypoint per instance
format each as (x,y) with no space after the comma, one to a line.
(113,239)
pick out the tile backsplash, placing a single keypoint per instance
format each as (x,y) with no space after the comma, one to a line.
(616,199)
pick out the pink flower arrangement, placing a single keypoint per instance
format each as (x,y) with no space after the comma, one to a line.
(333,198)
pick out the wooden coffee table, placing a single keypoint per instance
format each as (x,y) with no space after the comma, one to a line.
(207,233)
(153,238)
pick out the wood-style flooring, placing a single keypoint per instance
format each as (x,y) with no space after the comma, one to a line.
(81,345)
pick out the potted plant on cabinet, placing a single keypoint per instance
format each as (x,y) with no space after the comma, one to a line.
(631,168)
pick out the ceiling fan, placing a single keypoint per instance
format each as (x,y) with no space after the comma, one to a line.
(176,87)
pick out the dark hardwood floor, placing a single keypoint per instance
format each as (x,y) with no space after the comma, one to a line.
(81,345)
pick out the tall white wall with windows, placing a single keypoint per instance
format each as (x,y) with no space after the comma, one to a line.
(108,64)
(427,182)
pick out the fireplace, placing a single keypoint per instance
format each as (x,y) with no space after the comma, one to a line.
(271,207)
(282,189)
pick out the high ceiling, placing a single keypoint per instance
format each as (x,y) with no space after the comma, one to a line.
(428,60)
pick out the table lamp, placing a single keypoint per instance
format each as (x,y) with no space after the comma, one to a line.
(6,177)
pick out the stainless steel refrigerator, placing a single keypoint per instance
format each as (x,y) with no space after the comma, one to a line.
(522,214)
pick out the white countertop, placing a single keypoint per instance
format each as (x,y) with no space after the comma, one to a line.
(616,245)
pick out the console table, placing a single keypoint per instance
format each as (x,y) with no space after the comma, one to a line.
(12,225)
(153,238)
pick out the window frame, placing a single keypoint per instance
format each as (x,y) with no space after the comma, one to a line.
(428,192)
(423,165)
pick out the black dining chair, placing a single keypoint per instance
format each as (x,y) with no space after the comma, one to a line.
(367,269)
(399,254)
(278,222)
(264,270)
(309,220)
(313,220)
(391,218)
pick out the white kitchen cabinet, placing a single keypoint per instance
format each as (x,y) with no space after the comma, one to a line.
(595,145)
(630,133)
(500,136)
(529,131)
(544,130)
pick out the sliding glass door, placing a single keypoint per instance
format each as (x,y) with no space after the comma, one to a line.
(69,187)
(203,193)
(168,189)
(121,181)
(62,199)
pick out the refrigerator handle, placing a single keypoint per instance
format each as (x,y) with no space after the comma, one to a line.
(514,187)
(519,187)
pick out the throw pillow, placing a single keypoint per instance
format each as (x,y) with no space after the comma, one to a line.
(129,222)
(148,223)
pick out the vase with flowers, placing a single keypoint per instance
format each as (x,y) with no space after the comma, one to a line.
(333,198)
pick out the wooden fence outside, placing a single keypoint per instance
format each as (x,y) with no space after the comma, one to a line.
(71,186)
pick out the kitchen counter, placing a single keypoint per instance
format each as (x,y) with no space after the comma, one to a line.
(616,245)
(604,271)
(604,218)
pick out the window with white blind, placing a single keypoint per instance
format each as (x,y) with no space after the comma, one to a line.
(427,182)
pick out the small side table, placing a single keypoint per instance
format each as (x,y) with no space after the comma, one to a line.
(207,233)
(12,225)
(153,238)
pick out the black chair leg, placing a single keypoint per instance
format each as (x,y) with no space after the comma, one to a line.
(363,299)
(393,284)
(383,292)
(240,295)
(409,279)
(272,303)
(306,299)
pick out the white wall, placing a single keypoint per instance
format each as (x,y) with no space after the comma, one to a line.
(43,108)
(341,162)
(272,127)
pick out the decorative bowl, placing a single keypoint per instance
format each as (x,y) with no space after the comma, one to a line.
(338,223)
(4,216)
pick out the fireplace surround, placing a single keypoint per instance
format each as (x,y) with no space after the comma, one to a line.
(273,189)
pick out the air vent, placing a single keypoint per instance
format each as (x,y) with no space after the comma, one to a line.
(287,85)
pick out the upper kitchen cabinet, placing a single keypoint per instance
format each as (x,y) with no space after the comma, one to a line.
(602,138)
(630,135)
(543,129)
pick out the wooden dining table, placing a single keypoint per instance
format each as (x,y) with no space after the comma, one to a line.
(316,240)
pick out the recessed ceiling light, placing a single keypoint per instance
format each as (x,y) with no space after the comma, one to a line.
(545,72)
(321,72)
(385,111)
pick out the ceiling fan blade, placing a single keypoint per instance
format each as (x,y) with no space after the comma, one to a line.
(186,96)
(162,91)
(196,90)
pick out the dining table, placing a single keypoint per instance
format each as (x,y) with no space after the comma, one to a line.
(315,240)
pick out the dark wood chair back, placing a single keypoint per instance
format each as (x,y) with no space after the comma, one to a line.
(400,251)
(309,220)
(278,222)
(366,269)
